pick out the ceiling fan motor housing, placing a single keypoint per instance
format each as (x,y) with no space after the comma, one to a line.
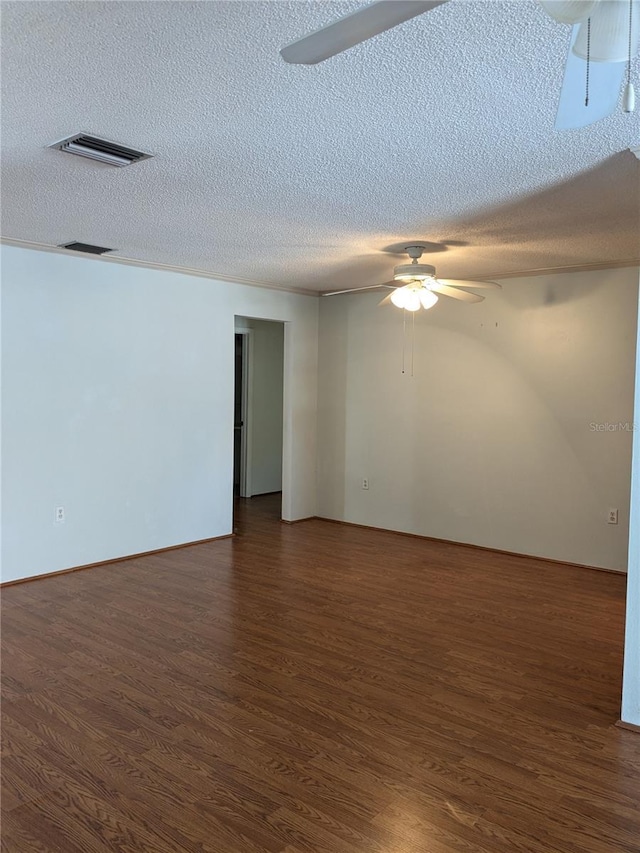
(411,271)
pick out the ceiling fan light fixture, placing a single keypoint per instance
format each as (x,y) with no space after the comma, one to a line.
(428,298)
(398,297)
(407,298)
(421,280)
(413,271)
(412,300)
(568,11)
(413,296)
(610,37)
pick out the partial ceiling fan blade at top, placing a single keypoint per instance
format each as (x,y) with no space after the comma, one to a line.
(390,284)
(454,293)
(459,282)
(353,29)
(605,82)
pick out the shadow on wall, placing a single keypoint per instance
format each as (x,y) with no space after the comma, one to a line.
(557,290)
(525,294)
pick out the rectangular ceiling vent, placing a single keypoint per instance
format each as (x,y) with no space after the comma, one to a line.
(99,149)
(87,248)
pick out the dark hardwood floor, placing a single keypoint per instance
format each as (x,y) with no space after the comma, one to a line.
(317,688)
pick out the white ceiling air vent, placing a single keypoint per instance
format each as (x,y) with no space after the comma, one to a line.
(102,150)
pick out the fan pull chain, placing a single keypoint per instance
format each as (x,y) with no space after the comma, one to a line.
(629,50)
(629,95)
(586,94)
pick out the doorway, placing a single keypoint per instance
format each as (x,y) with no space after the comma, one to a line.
(258,415)
(239,406)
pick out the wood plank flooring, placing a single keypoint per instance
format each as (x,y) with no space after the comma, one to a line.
(317,688)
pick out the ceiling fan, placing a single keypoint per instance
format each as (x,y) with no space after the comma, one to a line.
(415,285)
(605,33)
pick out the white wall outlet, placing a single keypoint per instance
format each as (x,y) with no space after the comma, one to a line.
(59,516)
(365,482)
(613,516)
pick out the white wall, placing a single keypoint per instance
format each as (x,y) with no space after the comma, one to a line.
(631,680)
(118,405)
(491,441)
(266,365)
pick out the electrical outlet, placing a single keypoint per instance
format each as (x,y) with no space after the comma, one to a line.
(613,516)
(59,516)
(365,482)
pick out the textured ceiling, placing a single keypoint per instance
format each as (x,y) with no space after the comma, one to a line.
(301,176)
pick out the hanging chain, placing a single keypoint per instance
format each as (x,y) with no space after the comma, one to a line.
(629,53)
(586,96)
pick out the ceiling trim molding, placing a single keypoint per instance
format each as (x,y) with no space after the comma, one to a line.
(599,265)
(152,265)
(133,262)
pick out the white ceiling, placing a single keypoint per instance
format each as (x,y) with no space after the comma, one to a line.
(301,176)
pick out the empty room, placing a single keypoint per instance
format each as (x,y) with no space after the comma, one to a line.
(320,506)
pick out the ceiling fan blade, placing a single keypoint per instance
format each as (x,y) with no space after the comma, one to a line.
(459,282)
(454,293)
(353,29)
(605,82)
(358,289)
(386,300)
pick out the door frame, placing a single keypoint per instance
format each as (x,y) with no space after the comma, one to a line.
(246,413)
